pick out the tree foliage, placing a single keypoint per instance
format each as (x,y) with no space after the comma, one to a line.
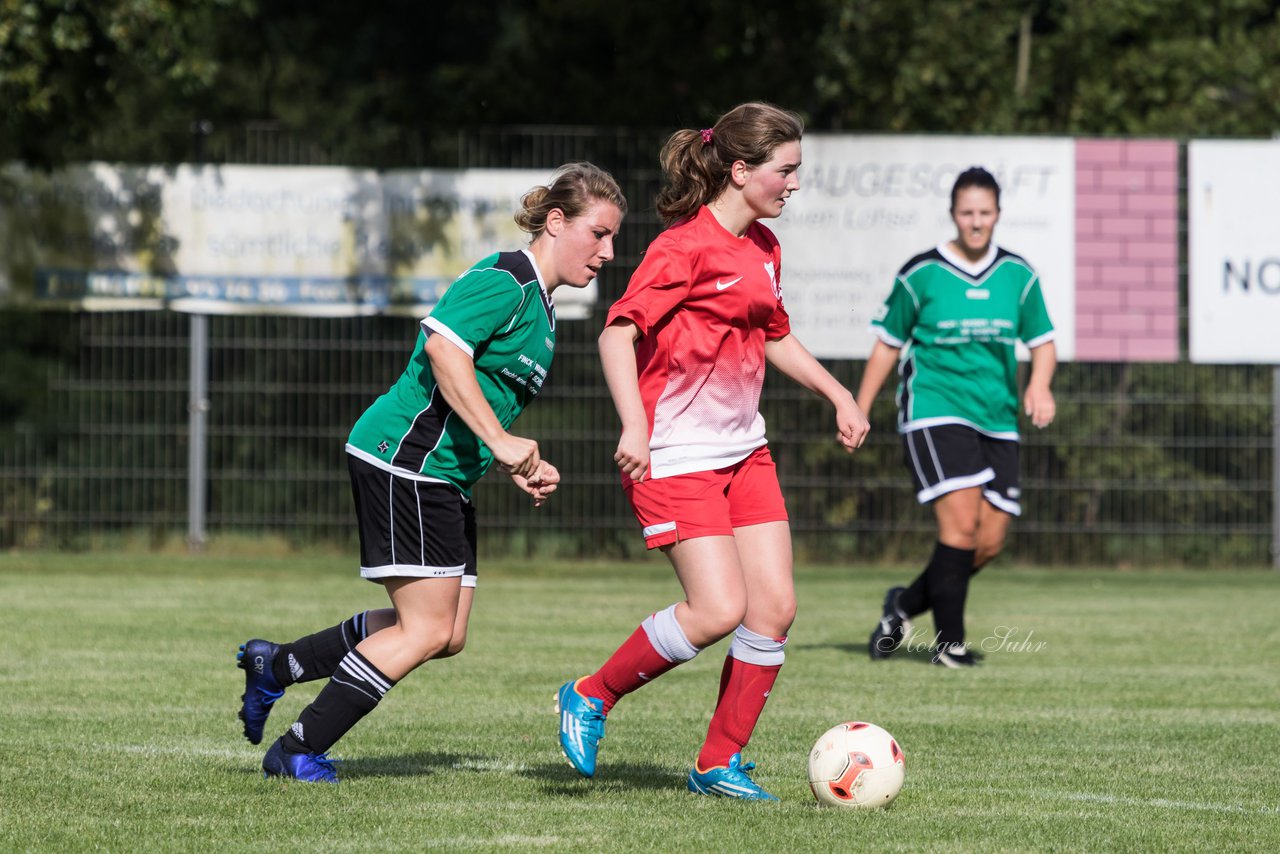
(126,78)
(72,70)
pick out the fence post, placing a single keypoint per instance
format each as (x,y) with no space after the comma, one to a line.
(198,395)
(197,419)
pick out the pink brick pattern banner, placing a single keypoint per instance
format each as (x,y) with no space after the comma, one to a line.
(1127,250)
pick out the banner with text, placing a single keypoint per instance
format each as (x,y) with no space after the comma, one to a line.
(251,239)
(1233,263)
(867,204)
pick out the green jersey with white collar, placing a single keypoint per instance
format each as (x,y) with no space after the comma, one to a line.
(957,324)
(500,314)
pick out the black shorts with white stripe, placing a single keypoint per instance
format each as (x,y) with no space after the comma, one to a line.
(412,528)
(948,457)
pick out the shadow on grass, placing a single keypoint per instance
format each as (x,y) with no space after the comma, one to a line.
(420,764)
(558,779)
(555,778)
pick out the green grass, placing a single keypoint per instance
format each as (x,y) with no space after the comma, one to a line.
(1148,720)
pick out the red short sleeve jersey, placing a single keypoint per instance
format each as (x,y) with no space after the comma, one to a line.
(705,302)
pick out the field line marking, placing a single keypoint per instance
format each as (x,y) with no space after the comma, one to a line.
(1162,803)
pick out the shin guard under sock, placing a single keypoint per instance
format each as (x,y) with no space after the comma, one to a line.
(316,656)
(914,599)
(354,690)
(750,669)
(658,645)
(949,573)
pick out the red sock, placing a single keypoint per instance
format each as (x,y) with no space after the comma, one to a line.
(744,688)
(632,665)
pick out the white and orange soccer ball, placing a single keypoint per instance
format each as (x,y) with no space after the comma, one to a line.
(856,764)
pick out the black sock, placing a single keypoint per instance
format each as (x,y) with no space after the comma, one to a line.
(948,573)
(317,656)
(915,599)
(352,693)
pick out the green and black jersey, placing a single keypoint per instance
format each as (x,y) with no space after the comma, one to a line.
(500,314)
(958,324)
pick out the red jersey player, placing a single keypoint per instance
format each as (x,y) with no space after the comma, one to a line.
(684,353)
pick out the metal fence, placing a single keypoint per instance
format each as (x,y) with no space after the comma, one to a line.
(1146,464)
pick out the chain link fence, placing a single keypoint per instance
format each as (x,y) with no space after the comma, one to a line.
(1157,464)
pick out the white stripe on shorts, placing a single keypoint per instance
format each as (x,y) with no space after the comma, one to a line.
(412,570)
(924,496)
(658,529)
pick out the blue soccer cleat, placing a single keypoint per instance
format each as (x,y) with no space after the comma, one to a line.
(730,782)
(261,689)
(307,767)
(581,727)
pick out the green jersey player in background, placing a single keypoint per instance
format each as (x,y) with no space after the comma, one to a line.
(950,325)
(481,357)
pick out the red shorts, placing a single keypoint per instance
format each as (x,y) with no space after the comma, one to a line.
(707,503)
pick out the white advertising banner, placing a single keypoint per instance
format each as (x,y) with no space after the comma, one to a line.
(259,239)
(253,239)
(867,204)
(441,222)
(1233,269)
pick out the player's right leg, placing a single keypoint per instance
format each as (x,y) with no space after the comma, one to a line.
(951,566)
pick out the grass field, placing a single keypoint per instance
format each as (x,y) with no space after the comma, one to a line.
(1124,711)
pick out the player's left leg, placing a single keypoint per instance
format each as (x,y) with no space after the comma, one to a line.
(755,655)
(949,571)
(948,469)
(762,536)
(1003,499)
(466,595)
(993,528)
(458,640)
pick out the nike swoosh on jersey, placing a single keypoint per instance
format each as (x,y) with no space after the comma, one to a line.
(722,285)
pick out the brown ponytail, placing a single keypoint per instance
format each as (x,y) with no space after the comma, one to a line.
(697,162)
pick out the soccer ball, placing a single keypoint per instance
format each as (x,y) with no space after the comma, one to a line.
(856,764)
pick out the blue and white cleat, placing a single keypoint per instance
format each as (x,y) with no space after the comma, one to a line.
(306,767)
(730,782)
(581,727)
(260,687)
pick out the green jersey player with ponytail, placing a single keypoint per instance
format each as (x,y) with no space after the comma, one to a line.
(481,357)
